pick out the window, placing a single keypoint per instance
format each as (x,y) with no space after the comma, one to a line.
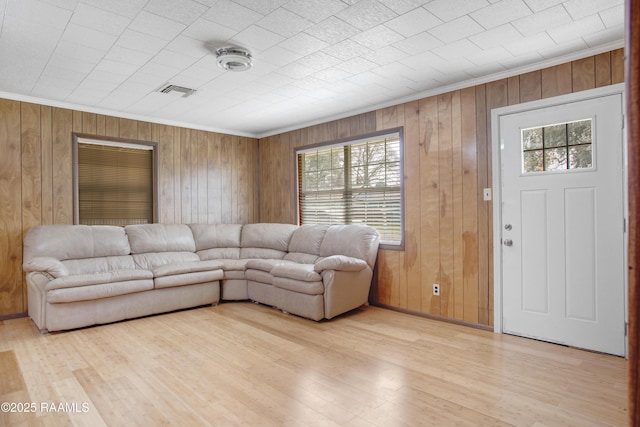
(354,182)
(557,147)
(113,181)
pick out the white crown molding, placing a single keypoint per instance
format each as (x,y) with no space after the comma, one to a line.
(139,117)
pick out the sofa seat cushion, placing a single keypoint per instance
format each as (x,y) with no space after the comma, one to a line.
(84,287)
(304,272)
(234,274)
(300,286)
(103,290)
(219,253)
(262,264)
(98,278)
(187,279)
(185,267)
(259,276)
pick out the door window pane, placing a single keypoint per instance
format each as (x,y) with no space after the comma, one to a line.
(557,147)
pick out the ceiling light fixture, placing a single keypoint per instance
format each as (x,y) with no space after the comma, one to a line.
(234,58)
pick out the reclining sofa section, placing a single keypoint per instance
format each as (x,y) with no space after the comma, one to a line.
(79,275)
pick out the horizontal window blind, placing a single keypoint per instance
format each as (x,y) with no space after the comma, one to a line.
(354,183)
(115,185)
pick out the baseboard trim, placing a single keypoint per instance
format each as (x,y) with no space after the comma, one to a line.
(13,316)
(434,317)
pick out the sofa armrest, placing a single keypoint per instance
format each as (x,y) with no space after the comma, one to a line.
(339,263)
(48,265)
(186,267)
(294,271)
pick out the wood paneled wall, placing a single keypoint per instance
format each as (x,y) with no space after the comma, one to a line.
(447,152)
(203,177)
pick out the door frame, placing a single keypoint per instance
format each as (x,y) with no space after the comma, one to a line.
(496,115)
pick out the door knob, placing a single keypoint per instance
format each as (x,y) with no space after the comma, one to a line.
(508,242)
(507,227)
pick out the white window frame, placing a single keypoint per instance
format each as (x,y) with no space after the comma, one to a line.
(374,136)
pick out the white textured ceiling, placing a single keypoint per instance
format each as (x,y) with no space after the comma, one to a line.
(313,59)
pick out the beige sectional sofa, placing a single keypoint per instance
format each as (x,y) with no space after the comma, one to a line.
(80,275)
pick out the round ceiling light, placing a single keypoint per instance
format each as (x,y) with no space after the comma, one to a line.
(234,58)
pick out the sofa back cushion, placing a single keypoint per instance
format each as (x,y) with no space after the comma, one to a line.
(64,242)
(217,241)
(354,240)
(145,238)
(304,246)
(265,240)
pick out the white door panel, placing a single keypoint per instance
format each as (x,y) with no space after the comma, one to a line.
(563,257)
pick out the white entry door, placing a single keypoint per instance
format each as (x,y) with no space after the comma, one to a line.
(562,224)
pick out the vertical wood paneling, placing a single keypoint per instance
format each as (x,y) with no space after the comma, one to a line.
(31,172)
(583,74)
(617,66)
(177,170)
(513,88)
(457,284)
(556,80)
(483,209)
(31,165)
(469,205)
(603,69)
(46,164)
(144,132)
(163,134)
(89,123)
(128,129)
(214,176)
(530,86)
(186,176)
(445,178)
(11,293)
(62,166)
(112,126)
(227,179)
(234,179)
(412,227)
(203,178)
(244,182)
(429,204)
(101,125)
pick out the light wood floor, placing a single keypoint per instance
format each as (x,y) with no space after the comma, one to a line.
(245,364)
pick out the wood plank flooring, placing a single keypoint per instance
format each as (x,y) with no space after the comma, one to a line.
(246,364)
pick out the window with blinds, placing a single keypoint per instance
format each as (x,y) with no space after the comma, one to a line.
(354,182)
(114,183)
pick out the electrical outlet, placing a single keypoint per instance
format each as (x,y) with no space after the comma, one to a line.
(436,289)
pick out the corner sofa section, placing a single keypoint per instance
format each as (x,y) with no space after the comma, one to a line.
(81,275)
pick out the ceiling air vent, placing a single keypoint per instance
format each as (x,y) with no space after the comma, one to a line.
(175,90)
